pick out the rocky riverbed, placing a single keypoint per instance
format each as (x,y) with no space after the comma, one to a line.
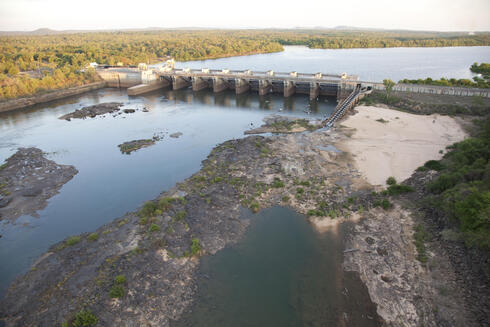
(157,249)
(141,269)
(285,124)
(93,111)
(28,180)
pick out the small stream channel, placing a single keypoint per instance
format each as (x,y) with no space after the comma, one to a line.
(282,273)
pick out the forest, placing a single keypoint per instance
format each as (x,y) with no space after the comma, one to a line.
(36,63)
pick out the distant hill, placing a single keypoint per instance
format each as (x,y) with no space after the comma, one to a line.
(48,31)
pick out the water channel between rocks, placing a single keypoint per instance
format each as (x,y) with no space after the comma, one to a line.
(282,273)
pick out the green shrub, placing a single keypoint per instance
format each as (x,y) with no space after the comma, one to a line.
(420,237)
(120,279)
(154,228)
(93,237)
(73,240)
(254,206)
(117,291)
(434,165)
(300,190)
(285,198)
(443,182)
(148,209)
(311,212)
(180,215)
(143,221)
(391,180)
(399,189)
(195,246)
(277,183)
(386,204)
(84,318)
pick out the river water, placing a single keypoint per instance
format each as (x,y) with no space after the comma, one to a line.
(283,273)
(109,183)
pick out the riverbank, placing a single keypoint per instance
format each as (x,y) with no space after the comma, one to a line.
(20,103)
(388,143)
(143,267)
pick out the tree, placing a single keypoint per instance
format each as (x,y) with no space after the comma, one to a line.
(389,84)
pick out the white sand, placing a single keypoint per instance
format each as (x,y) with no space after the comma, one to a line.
(398,147)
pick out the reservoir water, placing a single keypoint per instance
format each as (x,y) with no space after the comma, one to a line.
(109,183)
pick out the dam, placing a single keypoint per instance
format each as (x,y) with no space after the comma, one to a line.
(142,80)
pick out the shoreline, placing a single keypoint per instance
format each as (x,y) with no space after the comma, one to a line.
(25,102)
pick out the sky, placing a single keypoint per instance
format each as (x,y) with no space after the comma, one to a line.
(434,15)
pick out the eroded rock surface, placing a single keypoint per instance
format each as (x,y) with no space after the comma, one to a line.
(28,180)
(285,124)
(130,146)
(93,111)
(153,248)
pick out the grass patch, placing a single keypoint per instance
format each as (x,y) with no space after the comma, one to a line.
(93,237)
(396,189)
(120,280)
(277,183)
(391,180)
(84,318)
(73,240)
(420,237)
(154,228)
(254,206)
(285,198)
(381,120)
(117,291)
(180,215)
(195,247)
(434,165)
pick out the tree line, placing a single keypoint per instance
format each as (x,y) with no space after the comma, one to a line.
(477,82)
(33,63)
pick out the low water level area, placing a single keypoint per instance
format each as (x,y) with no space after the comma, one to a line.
(283,273)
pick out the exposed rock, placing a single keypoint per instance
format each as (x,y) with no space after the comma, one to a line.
(130,146)
(176,135)
(285,124)
(129,111)
(93,111)
(28,180)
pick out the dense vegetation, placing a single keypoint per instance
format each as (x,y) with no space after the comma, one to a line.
(477,82)
(462,190)
(345,39)
(483,68)
(34,63)
(30,64)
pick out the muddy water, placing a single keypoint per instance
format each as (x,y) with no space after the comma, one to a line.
(283,273)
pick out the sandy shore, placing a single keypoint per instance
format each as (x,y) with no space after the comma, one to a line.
(400,144)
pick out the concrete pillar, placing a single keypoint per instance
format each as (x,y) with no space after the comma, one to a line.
(199,84)
(241,86)
(314,90)
(289,88)
(178,82)
(219,85)
(318,75)
(265,86)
